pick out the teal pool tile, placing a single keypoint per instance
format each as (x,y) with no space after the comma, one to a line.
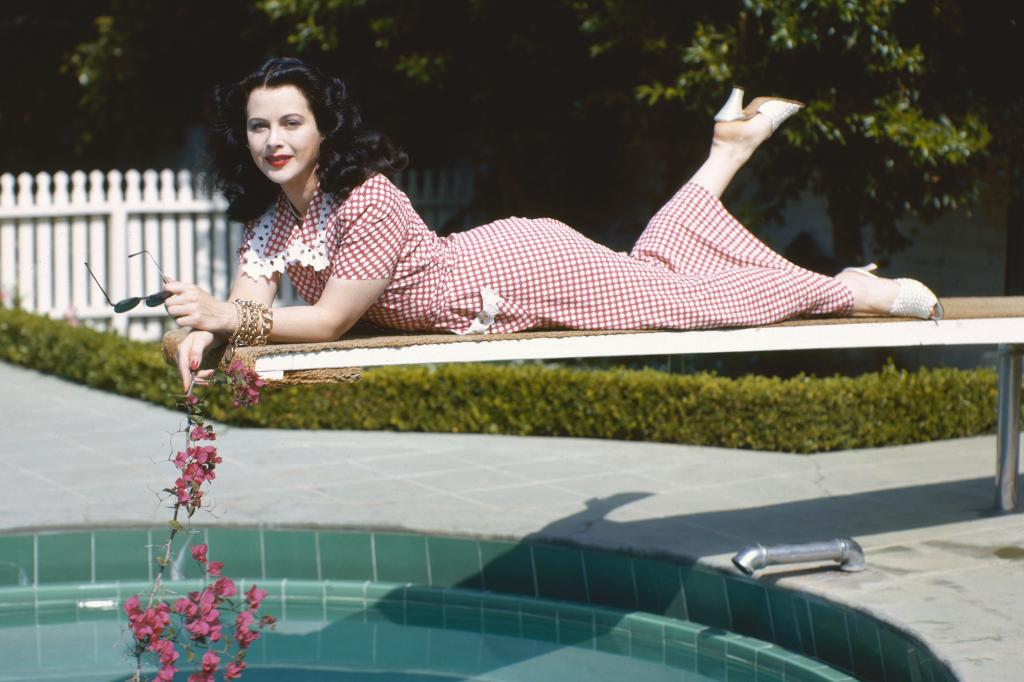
(867,652)
(17,560)
(344,610)
(750,610)
(424,615)
(507,567)
(681,657)
(659,588)
(65,557)
(401,558)
(646,627)
(124,555)
(386,591)
(539,628)
(500,602)
(97,603)
(771,664)
(56,604)
(802,613)
(425,596)
(17,610)
(610,580)
(737,670)
(502,622)
(831,640)
(711,655)
(305,601)
(345,556)
(613,638)
(575,626)
(606,620)
(290,554)
(559,573)
(784,621)
(455,562)
(705,597)
(683,633)
(464,598)
(239,550)
(647,637)
(895,655)
(800,669)
(465,618)
(387,611)
(345,589)
(744,649)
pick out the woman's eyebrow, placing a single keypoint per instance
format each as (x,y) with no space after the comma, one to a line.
(282,117)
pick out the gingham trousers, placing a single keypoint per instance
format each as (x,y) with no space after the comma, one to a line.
(693,267)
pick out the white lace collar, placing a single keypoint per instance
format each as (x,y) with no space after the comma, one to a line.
(306,249)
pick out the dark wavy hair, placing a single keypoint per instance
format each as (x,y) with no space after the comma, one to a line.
(349,153)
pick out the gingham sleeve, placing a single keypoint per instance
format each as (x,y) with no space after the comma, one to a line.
(370,240)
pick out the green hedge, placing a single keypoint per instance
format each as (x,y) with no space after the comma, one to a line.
(802,414)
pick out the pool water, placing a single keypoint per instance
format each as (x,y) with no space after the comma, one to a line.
(380,632)
(356,605)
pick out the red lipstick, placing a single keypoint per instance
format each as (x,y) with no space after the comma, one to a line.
(278,161)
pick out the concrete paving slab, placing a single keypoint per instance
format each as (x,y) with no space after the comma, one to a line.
(941,565)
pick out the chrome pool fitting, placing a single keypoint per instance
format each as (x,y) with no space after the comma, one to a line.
(844,550)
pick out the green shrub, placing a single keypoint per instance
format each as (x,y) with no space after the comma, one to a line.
(802,414)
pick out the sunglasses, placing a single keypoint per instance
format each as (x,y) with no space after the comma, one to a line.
(126,304)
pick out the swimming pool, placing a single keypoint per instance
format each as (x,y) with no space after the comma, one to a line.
(386,606)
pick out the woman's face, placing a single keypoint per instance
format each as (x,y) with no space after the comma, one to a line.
(283,137)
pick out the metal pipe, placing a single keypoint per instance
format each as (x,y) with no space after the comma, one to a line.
(1008,428)
(844,550)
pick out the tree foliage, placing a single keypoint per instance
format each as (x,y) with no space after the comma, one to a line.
(588,110)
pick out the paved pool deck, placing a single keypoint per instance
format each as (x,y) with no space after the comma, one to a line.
(941,564)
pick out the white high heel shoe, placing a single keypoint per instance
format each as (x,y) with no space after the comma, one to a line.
(776,109)
(913,300)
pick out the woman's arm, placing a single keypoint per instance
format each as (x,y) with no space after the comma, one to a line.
(340,306)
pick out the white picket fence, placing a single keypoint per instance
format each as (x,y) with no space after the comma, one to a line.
(51,225)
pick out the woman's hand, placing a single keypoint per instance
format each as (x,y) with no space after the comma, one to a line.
(190,356)
(193,307)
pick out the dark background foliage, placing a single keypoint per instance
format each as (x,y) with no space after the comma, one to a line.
(591,111)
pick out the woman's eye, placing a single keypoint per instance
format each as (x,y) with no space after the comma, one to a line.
(293,124)
(257,126)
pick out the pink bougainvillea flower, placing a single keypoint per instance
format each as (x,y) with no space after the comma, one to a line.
(224,587)
(214,568)
(210,662)
(254,596)
(234,670)
(199,553)
(203,433)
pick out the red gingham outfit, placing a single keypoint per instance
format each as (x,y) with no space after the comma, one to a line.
(693,267)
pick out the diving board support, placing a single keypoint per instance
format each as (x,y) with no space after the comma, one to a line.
(1008,427)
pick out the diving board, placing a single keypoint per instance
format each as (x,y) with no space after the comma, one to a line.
(995,322)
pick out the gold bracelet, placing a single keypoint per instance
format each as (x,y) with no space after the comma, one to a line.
(255,322)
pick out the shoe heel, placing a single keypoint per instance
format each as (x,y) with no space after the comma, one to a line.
(733,107)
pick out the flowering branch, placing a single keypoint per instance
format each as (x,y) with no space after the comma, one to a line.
(200,612)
